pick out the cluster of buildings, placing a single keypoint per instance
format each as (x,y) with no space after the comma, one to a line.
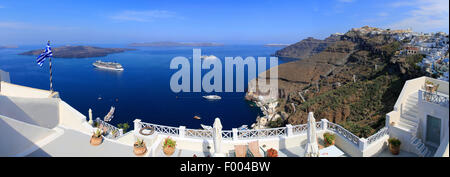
(433,45)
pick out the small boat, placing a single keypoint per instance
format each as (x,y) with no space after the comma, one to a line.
(110,114)
(206,127)
(243,127)
(196,117)
(212,97)
(99,98)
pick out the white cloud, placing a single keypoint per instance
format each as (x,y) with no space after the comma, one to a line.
(143,16)
(426,15)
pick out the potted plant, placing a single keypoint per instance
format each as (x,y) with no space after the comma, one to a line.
(169,146)
(394,145)
(97,137)
(139,147)
(329,138)
(272,152)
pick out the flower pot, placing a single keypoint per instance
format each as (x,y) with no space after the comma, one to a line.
(96,140)
(395,150)
(328,143)
(139,150)
(272,153)
(168,150)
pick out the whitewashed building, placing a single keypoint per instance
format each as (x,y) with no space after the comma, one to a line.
(35,122)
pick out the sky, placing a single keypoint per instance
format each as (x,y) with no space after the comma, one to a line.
(26,22)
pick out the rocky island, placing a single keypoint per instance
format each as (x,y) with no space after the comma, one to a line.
(9,46)
(78,51)
(175,44)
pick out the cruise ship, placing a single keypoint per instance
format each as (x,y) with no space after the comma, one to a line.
(108,65)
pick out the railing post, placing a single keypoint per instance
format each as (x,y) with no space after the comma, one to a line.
(181,131)
(120,132)
(362,144)
(324,124)
(289,130)
(387,121)
(235,133)
(420,97)
(137,124)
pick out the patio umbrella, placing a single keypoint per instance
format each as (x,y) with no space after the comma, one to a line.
(217,137)
(312,147)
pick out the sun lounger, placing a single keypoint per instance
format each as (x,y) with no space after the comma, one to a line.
(254,149)
(240,150)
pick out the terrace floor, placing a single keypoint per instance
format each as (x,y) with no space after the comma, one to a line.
(387,153)
(75,144)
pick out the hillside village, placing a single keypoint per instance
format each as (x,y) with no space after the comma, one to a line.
(354,80)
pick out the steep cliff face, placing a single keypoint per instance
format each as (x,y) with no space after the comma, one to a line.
(354,82)
(306,48)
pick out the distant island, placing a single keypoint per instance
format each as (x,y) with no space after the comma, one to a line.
(276,45)
(175,44)
(79,51)
(9,46)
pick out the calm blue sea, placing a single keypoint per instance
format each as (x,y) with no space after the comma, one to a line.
(142,90)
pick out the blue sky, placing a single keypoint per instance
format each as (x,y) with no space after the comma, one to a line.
(224,21)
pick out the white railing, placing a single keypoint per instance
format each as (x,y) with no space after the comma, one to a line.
(299,129)
(237,134)
(318,125)
(199,133)
(343,132)
(227,134)
(162,129)
(112,132)
(261,133)
(433,98)
(381,133)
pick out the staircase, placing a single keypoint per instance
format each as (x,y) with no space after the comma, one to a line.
(409,122)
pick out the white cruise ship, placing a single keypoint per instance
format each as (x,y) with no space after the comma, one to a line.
(108,65)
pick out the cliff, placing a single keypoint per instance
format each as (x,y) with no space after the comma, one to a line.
(354,82)
(306,48)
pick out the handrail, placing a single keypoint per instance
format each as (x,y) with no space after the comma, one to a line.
(343,132)
(434,98)
(199,133)
(261,133)
(382,132)
(162,129)
(110,128)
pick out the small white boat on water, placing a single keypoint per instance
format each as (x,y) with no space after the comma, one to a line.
(110,114)
(243,127)
(206,127)
(212,97)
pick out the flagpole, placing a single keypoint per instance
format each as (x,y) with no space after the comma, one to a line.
(50,63)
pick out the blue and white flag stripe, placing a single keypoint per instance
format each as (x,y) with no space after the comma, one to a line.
(47,53)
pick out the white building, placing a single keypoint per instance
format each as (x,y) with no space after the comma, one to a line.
(36,122)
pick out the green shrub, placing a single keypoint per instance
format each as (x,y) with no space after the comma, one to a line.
(329,138)
(124,126)
(394,142)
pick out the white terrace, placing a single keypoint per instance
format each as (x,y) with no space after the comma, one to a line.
(37,122)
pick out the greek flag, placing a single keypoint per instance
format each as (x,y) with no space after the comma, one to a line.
(47,53)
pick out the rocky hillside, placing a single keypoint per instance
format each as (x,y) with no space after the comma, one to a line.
(354,82)
(305,48)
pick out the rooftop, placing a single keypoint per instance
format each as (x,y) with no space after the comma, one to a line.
(58,130)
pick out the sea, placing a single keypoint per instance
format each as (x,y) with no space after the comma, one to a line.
(142,90)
